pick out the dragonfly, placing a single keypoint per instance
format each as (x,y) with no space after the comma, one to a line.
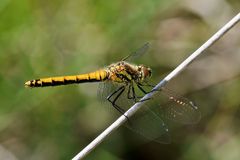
(123,84)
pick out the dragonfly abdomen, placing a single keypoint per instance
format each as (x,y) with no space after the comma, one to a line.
(96,76)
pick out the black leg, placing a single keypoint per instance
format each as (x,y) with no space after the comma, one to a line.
(113,102)
(145,92)
(113,93)
(129,93)
(149,85)
(139,86)
(146,84)
(134,94)
(119,94)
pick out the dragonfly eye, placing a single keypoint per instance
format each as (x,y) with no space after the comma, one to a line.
(149,72)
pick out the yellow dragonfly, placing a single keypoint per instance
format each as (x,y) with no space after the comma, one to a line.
(123,84)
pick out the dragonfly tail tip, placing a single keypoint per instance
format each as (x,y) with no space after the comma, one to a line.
(27,84)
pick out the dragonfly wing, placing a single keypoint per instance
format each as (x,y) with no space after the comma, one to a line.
(105,89)
(171,106)
(149,125)
(145,122)
(139,52)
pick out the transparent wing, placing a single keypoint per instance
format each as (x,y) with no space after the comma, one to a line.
(149,125)
(144,122)
(150,121)
(170,106)
(165,107)
(139,52)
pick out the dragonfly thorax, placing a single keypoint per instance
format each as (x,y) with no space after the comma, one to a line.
(124,72)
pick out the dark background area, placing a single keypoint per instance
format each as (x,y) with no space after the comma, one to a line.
(51,38)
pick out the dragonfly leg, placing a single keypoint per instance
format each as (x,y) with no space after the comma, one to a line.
(131,93)
(149,85)
(134,94)
(145,92)
(146,84)
(113,93)
(139,86)
(113,102)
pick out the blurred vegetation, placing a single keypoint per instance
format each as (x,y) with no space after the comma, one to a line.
(50,38)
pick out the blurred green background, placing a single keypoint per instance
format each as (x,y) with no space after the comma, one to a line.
(41,38)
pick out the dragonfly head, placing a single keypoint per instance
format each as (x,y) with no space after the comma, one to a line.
(145,72)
